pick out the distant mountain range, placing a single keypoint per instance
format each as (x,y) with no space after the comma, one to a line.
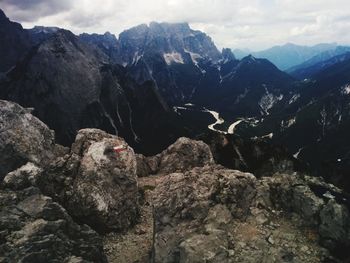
(157,82)
(289,55)
(320,62)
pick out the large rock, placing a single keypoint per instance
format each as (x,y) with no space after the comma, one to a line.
(183,204)
(321,206)
(212,214)
(181,156)
(335,226)
(97,185)
(184,155)
(33,228)
(24,176)
(23,138)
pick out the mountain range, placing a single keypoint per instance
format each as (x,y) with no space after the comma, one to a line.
(157,82)
(287,56)
(155,146)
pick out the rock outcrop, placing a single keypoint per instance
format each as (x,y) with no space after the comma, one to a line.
(53,200)
(181,156)
(212,214)
(34,228)
(96,183)
(23,138)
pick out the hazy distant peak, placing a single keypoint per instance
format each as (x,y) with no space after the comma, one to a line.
(44,29)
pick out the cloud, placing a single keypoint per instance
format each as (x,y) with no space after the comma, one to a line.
(31,10)
(255,24)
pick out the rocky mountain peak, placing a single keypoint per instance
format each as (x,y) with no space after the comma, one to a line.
(180,28)
(106,37)
(44,29)
(166,38)
(3,17)
(227,54)
(15,42)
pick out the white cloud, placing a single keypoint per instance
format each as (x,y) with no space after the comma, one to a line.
(254,24)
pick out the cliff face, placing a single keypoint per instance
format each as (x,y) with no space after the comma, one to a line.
(201,211)
(71,86)
(15,42)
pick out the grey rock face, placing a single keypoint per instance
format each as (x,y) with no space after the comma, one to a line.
(324,210)
(60,65)
(105,192)
(146,165)
(23,177)
(107,43)
(71,85)
(23,138)
(211,214)
(165,38)
(227,55)
(183,204)
(15,42)
(168,54)
(33,228)
(181,156)
(96,184)
(184,155)
(335,225)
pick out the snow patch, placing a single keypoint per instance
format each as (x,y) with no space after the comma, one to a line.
(288,123)
(296,155)
(136,58)
(177,108)
(294,98)
(345,90)
(173,57)
(194,56)
(268,101)
(270,136)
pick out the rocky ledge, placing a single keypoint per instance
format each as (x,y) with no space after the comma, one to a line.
(213,214)
(100,202)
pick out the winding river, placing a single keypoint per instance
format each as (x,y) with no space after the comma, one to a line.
(218,120)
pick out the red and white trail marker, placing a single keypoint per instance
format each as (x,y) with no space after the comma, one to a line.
(120,148)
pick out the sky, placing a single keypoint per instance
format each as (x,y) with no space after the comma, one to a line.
(250,24)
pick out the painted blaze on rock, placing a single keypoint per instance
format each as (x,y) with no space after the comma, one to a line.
(105,192)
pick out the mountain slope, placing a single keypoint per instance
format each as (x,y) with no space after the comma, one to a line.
(15,42)
(246,88)
(107,43)
(175,42)
(71,87)
(319,62)
(169,54)
(313,122)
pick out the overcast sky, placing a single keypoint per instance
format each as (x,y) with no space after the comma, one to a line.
(253,24)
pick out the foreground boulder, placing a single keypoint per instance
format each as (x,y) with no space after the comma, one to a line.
(212,214)
(23,138)
(34,228)
(95,183)
(181,156)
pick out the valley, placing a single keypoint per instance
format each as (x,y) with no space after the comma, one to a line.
(137,80)
(155,146)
